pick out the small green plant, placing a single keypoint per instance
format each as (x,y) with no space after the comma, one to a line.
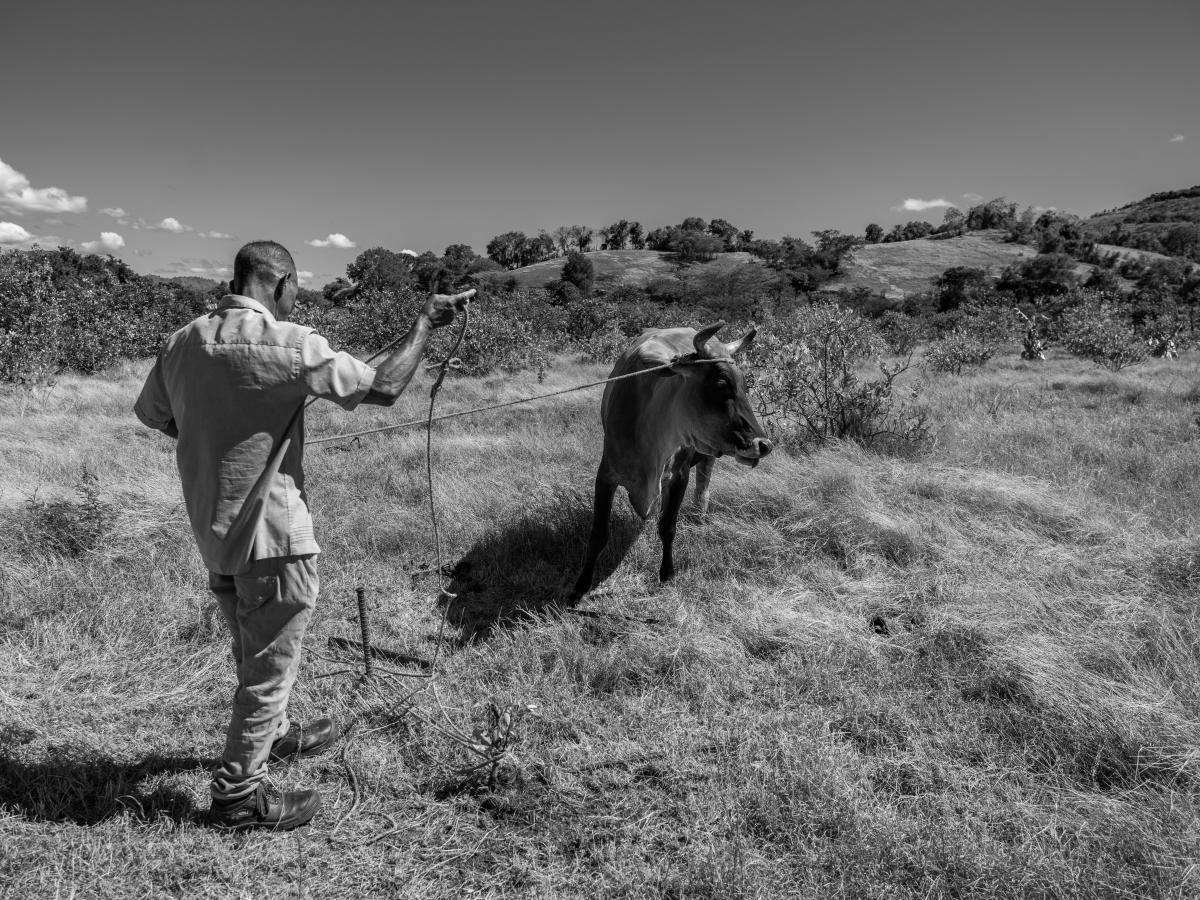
(71,528)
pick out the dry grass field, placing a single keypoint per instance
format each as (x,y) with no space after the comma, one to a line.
(973,674)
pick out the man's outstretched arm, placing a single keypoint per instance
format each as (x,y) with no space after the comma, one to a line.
(396,371)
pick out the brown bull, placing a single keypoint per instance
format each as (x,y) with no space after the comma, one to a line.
(657,427)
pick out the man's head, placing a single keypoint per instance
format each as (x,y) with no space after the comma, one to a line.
(265,271)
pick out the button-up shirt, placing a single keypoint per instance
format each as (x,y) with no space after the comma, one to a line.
(232,381)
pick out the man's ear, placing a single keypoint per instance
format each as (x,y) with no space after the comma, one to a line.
(232,289)
(742,343)
(281,284)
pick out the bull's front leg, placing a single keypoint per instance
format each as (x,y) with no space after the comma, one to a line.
(681,467)
(606,487)
(704,468)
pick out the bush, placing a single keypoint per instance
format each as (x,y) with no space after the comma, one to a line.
(70,528)
(1098,331)
(953,353)
(578,271)
(806,385)
(979,333)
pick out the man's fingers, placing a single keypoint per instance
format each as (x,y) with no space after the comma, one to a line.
(462,300)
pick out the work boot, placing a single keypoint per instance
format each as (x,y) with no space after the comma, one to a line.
(266,809)
(309,739)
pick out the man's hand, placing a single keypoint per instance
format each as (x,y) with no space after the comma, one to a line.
(440,308)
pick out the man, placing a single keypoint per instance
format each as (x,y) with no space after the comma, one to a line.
(230,387)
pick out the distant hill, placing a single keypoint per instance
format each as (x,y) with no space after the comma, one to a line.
(635,267)
(906,267)
(192,282)
(898,269)
(1145,223)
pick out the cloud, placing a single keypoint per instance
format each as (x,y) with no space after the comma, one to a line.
(17,194)
(1177,139)
(216,235)
(170,224)
(304,277)
(12,233)
(334,240)
(914,205)
(115,211)
(110,242)
(17,237)
(973,198)
(413,253)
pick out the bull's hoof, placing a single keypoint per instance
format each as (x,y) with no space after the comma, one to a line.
(666,573)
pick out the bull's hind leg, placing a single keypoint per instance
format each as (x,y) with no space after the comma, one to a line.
(681,467)
(606,487)
(704,468)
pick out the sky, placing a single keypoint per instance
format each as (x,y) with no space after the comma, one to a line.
(169,134)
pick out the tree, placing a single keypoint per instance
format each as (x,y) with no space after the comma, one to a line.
(1182,240)
(833,247)
(726,233)
(615,236)
(637,237)
(954,222)
(457,261)
(508,249)
(1048,274)
(693,223)
(873,234)
(955,285)
(579,271)
(381,269)
(997,213)
(583,238)
(689,246)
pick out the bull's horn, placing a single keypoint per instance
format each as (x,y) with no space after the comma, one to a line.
(703,335)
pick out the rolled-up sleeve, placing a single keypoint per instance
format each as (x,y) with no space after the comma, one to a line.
(333,375)
(153,406)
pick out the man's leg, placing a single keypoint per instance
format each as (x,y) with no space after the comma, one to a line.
(225,590)
(274,602)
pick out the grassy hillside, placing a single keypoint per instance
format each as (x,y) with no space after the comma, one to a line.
(906,267)
(623,266)
(972,674)
(1152,216)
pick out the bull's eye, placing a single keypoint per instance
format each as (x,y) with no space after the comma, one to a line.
(721,390)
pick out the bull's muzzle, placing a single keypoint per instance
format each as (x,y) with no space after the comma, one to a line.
(758,448)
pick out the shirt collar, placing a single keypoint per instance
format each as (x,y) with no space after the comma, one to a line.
(237,301)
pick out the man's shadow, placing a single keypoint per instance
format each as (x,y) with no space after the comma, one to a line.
(528,565)
(81,785)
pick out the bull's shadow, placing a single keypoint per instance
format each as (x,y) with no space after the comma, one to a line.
(527,564)
(83,786)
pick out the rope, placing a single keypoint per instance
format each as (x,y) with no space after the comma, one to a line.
(478,409)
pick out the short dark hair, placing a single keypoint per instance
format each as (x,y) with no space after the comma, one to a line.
(261,258)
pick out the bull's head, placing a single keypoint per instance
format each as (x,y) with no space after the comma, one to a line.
(718,414)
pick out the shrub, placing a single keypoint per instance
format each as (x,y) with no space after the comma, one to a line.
(71,528)
(578,271)
(1098,331)
(979,334)
(59,311)
(953,353)
(806,384)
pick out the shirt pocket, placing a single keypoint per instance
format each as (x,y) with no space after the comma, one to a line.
(256,366)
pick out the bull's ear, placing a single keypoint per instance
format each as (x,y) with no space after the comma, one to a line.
(742,343)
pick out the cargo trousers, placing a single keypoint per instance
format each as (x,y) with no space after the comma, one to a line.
(268,609)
